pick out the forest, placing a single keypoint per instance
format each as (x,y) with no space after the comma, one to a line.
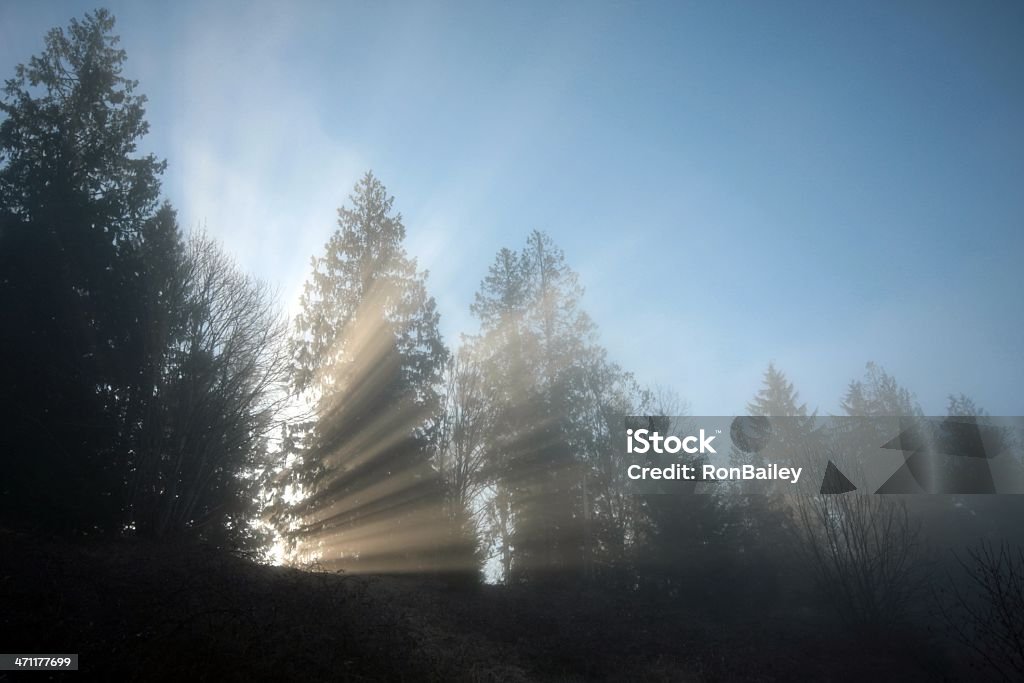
(193,483)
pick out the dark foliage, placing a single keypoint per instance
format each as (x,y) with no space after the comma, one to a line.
(138,368)
(77,207)
(143,611)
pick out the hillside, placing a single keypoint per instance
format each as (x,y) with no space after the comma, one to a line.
(139,611)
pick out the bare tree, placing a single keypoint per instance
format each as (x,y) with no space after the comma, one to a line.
(463,433)
(986,614)
(865,551)
(217,400)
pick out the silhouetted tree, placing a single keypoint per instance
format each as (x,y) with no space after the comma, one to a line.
(77,208)
(606,394)
(555,502)
(961,518)
(866,552)
(217,399)
(764,523)
(689,538)
(876,408)
(140,373)
(984,608)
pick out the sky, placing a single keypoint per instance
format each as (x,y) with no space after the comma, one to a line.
(817,185)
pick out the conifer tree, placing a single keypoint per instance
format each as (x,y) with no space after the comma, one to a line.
(550,389)
(368,355)
(792,431)
(77,207)
(777,397)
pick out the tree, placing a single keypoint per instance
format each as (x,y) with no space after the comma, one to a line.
(365,280)
(463,431)
(866,554)
(984,609)
(793,428)
(71,130)
(368,356)
(534,343)
(77,210)
(879,394)
(794,439)
(141,371)
(777,397)
(865,550)
(876,408)
(610,513)
(750,523)
(963,517)
(216,400)
(963,405)
(555,504)
(682,537)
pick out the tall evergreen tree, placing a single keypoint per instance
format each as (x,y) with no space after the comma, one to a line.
(792,432)
(77,210)
(368,355)
(363,280)
(777,397)
(139,373)
(537,348)
(762,519)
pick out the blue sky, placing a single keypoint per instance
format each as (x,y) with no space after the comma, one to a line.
(736,183)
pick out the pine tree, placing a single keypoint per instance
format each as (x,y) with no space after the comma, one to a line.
(77,206)
(792,431)
(364,280)
(536,345)
(777,397)
(764,519)
(368,354)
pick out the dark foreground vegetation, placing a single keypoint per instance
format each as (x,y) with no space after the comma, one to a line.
(136,610)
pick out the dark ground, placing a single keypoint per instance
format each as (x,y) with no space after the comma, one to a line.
(140,611)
